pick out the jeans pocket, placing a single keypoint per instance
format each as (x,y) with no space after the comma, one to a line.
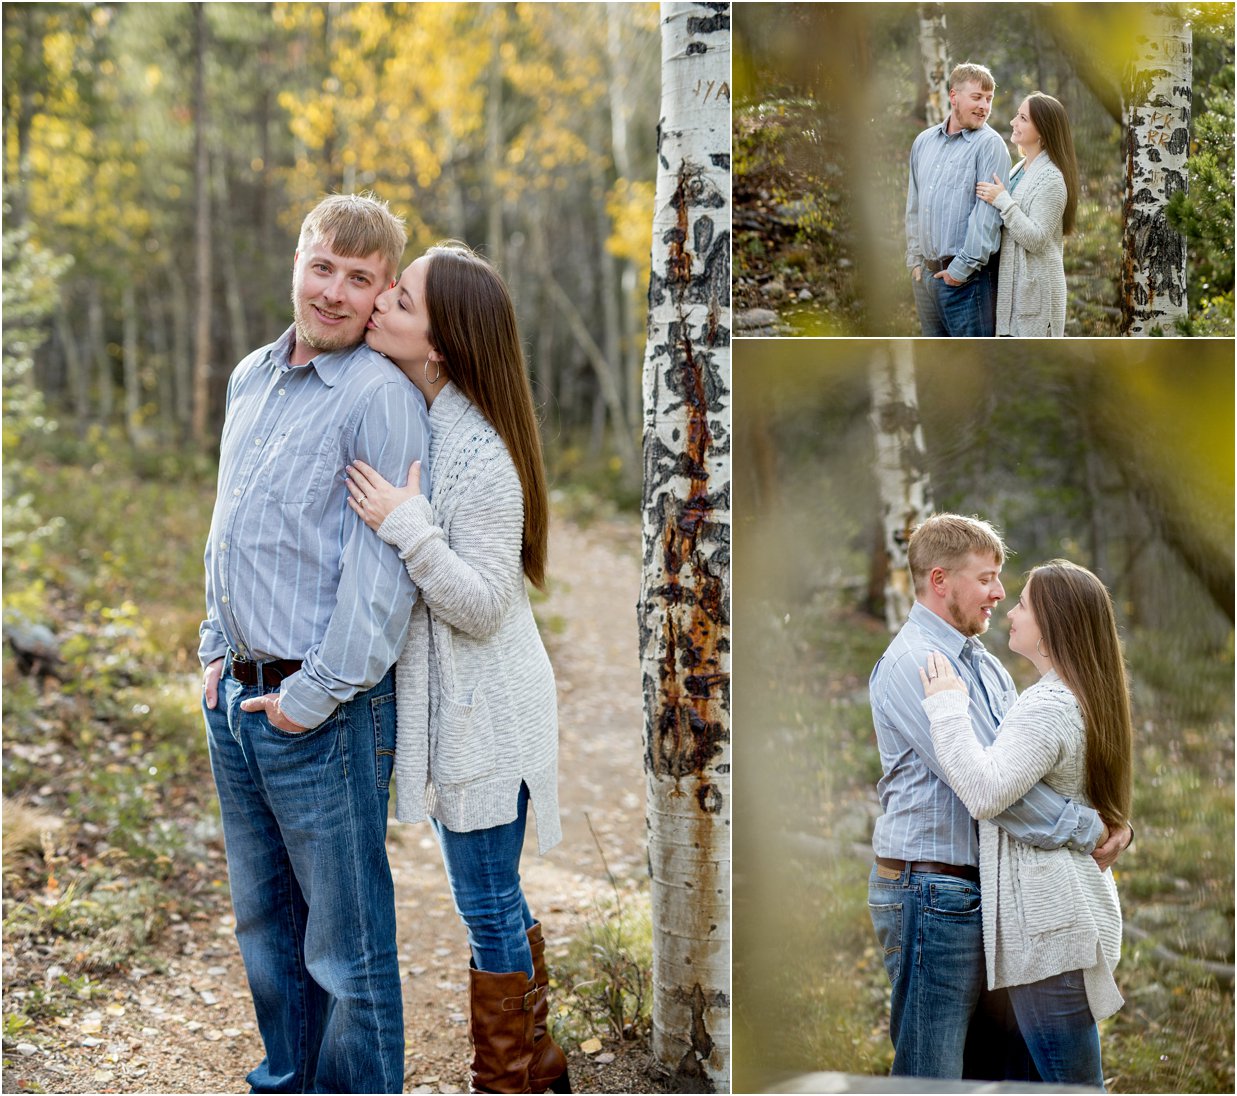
(382,710)
(311,735)
(887,921)
(464,748)
(953,900)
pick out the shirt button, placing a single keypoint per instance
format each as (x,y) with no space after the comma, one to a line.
(224,599)
(282,391)
(237,491)
(224,546)
(257,441)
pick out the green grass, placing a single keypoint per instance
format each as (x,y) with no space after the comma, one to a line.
(113,743)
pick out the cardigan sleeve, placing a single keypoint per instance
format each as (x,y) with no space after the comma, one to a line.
(1038,232)
(1033,737)
(469,582)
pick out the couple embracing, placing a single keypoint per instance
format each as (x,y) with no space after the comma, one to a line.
(1000,937)
(984,243)
(360,634)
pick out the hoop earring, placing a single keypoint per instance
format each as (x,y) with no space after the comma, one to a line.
(1042,652)
(434,378)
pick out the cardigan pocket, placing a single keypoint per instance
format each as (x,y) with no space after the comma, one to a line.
(463,734)
(1046,889)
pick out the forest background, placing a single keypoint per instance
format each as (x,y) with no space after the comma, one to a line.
(1116,455)
(158,160)
(829,98)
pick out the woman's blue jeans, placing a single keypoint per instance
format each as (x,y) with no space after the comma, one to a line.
(1060,1032)
(483,869)
(304,820)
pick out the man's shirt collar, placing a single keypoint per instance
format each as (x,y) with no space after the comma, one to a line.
(328,364)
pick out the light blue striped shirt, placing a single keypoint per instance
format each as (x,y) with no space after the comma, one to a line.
(923,819)
(943,214)
(291,571)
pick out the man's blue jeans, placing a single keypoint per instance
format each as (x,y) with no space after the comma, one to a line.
(304,821)
(1059,1029)
(483,868)
(931,930)
(964,311)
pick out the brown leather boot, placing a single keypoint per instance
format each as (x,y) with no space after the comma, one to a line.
(500,1029)
(548,1070)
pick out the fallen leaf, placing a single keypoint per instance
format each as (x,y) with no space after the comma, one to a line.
(591,1046)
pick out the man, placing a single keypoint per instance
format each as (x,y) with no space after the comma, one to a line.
(924,887)
(306,613)
(952,238)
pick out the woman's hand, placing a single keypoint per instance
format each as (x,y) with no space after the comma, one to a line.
(373,498)
(990,191)
(940,676)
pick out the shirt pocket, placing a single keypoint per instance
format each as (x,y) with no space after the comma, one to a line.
(299,467)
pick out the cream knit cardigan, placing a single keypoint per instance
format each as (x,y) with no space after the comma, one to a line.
(1045,911)
(1030,294)
(476,706)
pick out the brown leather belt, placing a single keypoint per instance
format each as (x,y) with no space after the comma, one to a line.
(930,867)
(270,673)
(937,265)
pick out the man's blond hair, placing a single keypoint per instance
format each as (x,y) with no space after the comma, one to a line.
(970,73)
(354,226)
(945,540)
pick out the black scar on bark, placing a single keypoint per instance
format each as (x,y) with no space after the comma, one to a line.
(719,22)
(694,49)
(710,798)
(721,160)
(1179,142)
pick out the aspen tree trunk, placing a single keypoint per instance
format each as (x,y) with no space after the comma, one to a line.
(202,238)
(934,51)
(131,366)
(684,611)
(901,473)
(105,395)
(1155,92)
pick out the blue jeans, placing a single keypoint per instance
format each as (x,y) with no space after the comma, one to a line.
(964,311)
(304,821)
(931,931)
(1059,1030)
(483,869)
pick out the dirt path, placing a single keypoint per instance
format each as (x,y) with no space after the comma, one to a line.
(189,1027)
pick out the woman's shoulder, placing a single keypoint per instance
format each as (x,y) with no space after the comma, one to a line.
(469,444)
(1050,693)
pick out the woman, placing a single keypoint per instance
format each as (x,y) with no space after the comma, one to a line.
(1038,209)
(477,724)
(1052,922)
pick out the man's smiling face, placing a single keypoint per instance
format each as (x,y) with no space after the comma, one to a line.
(333,296)
(971,591)
(971,105)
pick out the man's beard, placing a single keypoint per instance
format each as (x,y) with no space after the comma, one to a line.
(976,626)
(319,340)
(969,121)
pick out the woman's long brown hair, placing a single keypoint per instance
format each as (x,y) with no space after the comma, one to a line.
(1049,118)
(472,324)
(1079,629)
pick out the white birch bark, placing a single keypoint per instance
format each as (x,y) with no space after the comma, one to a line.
(934,52)
(684,611)
(1155,93)
(902,477)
